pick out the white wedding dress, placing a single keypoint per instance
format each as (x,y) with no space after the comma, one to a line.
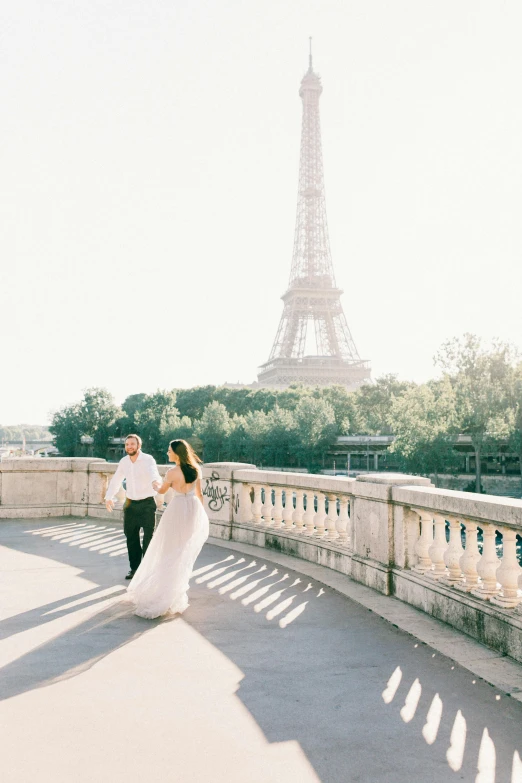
(161,582)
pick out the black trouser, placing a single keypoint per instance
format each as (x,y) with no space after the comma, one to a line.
(138,514)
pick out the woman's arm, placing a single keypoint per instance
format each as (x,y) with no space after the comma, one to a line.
(199,493)
(167,483)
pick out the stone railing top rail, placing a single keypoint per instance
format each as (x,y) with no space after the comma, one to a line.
(375,485)
(53,465)
(338,484)
(505,512)
(91,465)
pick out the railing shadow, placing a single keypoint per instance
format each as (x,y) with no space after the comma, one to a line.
(69,635)
(319,676)
(364,700)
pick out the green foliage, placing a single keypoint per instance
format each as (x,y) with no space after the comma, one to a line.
(130,407)
(282,438)
(14,433)
(157,422)
(480,394)
(482,381)
(423,420)
(99,414)
(214,428)
(316,429)
(372,405)
(192,402)
(515,436)
(67,429)
(95,416)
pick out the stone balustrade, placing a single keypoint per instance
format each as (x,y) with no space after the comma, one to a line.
(451,554)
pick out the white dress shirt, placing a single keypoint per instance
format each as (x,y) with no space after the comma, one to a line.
(139,475)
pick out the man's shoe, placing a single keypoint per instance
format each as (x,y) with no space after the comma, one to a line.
(130,574)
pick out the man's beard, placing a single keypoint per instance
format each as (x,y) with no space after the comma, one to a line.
(132,453)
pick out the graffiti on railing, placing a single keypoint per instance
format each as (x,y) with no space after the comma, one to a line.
(217,496)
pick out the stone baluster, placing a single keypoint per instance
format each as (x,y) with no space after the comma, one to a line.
(267,506)
(160,500)
(309,514)
(320,517)
(468,561)
(453,554)
(438,547)
(245,504)
(299,511)
(277,512)
(257,506)
(343,521)
(508,572)
(331,519)
(424,542)
(288,511)
(488,564)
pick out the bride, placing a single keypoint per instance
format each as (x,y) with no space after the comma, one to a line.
(161,582)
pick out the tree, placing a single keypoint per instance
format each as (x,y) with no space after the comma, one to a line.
(192,402)
(99,414)
(94,416)
(213,428)
(66,429)
(515,436)
(372,405)
(344,404)
(158,422)
(423,420)
(316,429)
(236,445)
(130,407)
(256,426)
(16,432)
(281,438)
(482,381)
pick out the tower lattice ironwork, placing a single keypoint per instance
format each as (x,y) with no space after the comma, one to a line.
(325,354)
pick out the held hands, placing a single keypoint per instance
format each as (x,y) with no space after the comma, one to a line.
(156,485)
(109,505)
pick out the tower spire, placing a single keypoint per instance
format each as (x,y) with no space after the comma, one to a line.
(325,353)
(310,56)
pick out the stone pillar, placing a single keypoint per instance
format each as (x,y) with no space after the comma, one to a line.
(220,495)
(378,526)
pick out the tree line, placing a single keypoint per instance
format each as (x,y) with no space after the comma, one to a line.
(478,393)
(15,433)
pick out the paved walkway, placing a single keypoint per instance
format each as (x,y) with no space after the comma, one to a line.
(270,675)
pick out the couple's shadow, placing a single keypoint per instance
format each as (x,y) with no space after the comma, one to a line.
(88,625)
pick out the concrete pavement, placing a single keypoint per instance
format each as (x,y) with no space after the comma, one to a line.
(272,674)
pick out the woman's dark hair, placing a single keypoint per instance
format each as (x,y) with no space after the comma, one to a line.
(188,459)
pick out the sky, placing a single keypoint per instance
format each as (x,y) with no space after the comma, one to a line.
(149,164)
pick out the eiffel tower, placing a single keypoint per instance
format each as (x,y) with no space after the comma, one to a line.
(325,354)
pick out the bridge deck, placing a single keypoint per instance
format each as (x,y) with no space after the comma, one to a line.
(268,676)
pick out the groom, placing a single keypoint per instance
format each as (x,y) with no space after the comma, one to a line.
(139,510)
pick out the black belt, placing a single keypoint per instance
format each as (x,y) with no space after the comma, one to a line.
(142,500)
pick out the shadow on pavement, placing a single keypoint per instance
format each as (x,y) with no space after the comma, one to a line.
(365,701)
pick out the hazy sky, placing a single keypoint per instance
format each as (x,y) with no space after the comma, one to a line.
(149,160)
